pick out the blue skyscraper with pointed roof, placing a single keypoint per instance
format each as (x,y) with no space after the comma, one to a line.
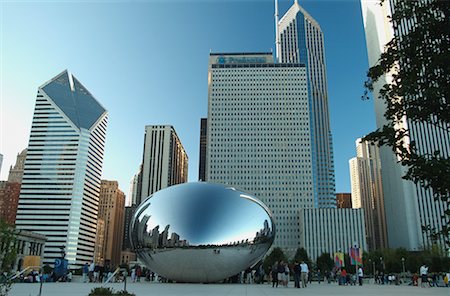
(62,172)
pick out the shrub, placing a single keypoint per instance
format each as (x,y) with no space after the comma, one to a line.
(100,291)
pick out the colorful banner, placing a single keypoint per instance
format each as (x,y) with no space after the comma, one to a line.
(355,256)
(339,260)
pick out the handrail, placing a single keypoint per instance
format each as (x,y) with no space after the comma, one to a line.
(23,271)
(115,272)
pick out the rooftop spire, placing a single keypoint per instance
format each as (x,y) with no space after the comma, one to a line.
(277,38)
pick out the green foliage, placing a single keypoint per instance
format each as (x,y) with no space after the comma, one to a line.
(101,291)
(277,254)
(390,260)
(302,255)
(324,262)
(418,63)
(8,250)
(8,255)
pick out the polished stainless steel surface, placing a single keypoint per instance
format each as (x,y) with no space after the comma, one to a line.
(201,232)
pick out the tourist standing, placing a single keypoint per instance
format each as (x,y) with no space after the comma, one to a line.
(423,274)
(91,271)
(304,273)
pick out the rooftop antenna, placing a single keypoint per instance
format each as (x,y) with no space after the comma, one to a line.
(277,38)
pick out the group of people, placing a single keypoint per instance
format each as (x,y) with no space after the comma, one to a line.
(280,273)
(345,278)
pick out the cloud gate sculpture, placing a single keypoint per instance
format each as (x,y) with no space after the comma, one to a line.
(201,232)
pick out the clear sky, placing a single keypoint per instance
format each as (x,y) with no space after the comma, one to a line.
(146,62)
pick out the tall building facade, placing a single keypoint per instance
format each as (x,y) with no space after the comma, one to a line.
(135,188)
(408,207)
(300,40)
(10,190)
(165,162)
(111,211)
(331,230)
(202,156)
(367,192)
(128,216)
(9,198)
(344,200)
(16,171)
(62,171)
(259,136)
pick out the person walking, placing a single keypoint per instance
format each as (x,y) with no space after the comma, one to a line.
(274,273)
(360,275)
(297,272)
(85,272)
(304,273)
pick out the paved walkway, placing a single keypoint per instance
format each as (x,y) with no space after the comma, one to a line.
(145,288)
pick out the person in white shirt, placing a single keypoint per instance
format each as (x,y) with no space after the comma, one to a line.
(304,273)
(360,275)
(423,275)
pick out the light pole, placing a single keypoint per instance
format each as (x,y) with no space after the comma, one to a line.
(403,265)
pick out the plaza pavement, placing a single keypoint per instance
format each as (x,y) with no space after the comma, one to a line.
(161,289)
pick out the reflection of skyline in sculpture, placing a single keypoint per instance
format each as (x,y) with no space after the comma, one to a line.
(201,232)
(155,239)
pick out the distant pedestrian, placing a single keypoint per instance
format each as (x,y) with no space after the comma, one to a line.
(274,274)
(297,273)
(360,275)
(85,272)
(91,271)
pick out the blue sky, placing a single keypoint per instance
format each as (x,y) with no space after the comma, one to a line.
(146,62)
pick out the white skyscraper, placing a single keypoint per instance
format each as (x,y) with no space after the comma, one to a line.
(300,40)
(62,172)
(259,136)
(408,207)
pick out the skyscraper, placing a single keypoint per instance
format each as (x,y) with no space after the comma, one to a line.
(165,162)
(111,210)
(300,40)
(16,171)
(202,156)
(135,188)
(367,192)
(259,138)
(408,206)
(61,180)
(344,200)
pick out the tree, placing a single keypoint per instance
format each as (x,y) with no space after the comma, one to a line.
(277,254)
(324,262)
(302,255)
(8,253)
(418,61)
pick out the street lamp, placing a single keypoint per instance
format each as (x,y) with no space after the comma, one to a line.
(403,265)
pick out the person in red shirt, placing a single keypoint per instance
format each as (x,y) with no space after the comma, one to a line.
(344,276)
